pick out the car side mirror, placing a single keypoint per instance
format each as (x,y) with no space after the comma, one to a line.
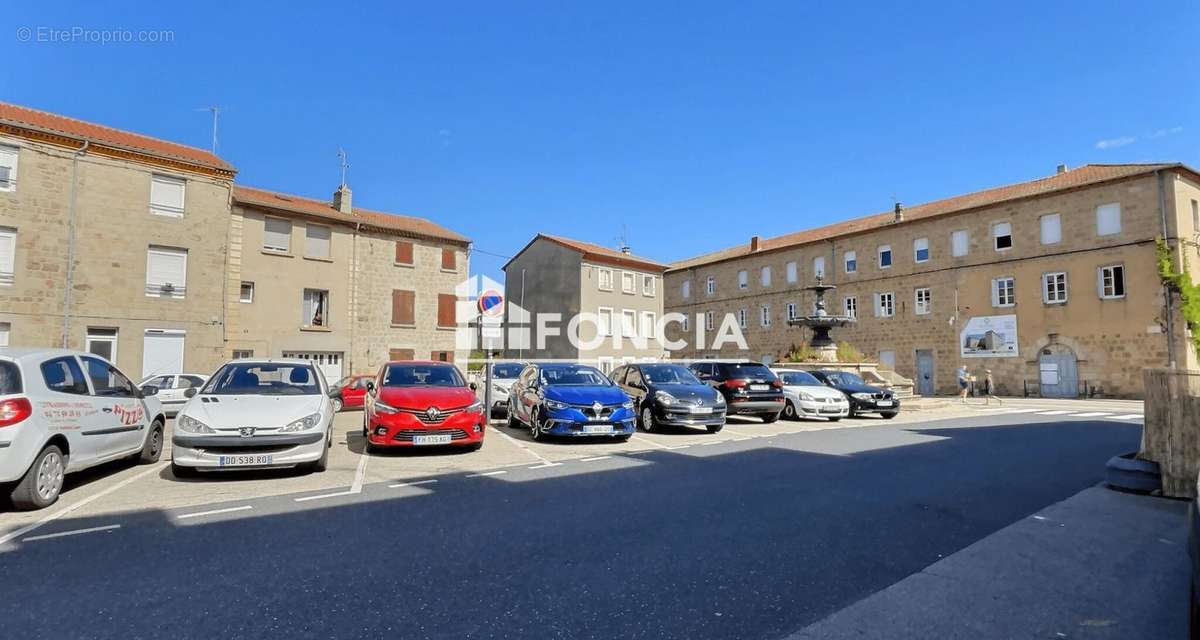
(334,393)
(370,385)
(149,390)
(190,392)
(473,386)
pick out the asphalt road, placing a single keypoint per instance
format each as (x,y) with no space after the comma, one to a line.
(749,539)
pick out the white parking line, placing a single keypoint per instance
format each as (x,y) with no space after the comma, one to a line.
(485,474)
(521,445)
(336,494)
(595,458)
(214,512)
(360,473)
(76,532)
(1092,414)
(651,443)
(545,464)
(1129,416)
(679,446)
(88,500)
(1055,413)
(410,484)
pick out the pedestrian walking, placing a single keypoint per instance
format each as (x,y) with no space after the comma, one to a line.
(963,382)
(989,388)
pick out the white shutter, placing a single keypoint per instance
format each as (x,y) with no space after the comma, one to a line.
(8,252)
(819,266)
(1108,219)
(958,241)
(316,241)
(687,288)
(166,267)
(8,168)
(791,272)
(877,307)
(1051,228)
(166,195)
(277,234)
(4,329)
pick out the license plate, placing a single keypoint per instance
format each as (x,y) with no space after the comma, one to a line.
(701,409)
(884,403)
(440,438)
(759,387)
(245,461)
(597,428)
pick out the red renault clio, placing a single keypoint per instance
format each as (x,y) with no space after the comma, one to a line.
(417,403)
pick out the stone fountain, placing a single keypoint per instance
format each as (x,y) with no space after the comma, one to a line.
(821,322)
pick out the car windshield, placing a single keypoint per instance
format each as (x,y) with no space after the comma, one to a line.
(668,374)
(264,379)
(422,375)
(799,379)
(574,376)
(747,370)
(507,370)
(845,379)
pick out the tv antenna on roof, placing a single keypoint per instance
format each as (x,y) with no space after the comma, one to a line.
(345,165)
(623,239)
(216,112)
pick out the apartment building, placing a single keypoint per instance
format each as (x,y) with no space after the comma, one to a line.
(144,251)
(110,242)
(619,292)
(345,287)
(1052,284)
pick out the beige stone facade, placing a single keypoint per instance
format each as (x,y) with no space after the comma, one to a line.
(1107,335)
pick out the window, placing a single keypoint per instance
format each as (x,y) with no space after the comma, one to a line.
(922,305)
(8,255)
(604,321)
(166,272)
(819,267)
(628,323)
(885,257)
(106,380)
(792,275)
(604,279)
(166,196)
(711,285)
(277,235)
(743,280)
(1054,288)
(315,308)
(1112,281)
(764,276)
(921,250)
(649,320)
(5,330)
(685,289)
(683,324)
(447,312)
(1051,224)
(102,342)
(449,259)
(63,375)
(239,354)
(1195,216)
(764,315)
(8,168)
(885,304)
(1002,236)
(850,261)
(442,356)
(1108,219)
(850,306)
(791,311)
(649,285)
(404,252)
(708,320)
(404,305)
(741,317)
(247,294)
(628,282)
(1004,291)
(959,243)
(316,241)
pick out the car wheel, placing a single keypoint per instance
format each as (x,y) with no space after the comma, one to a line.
(648,419)
(888,415)
(789,411)
(770,417)
(183,472)
(152,449)
(534,431)
(337,404)
(41,484)
(715,428)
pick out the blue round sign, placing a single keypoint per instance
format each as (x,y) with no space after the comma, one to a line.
(491,303)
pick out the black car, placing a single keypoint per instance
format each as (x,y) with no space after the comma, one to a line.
(749,388)
(864,398)
(669,395)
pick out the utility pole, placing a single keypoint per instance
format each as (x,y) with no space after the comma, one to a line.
(216,113)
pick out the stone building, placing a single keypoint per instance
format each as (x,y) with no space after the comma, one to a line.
(621,294)
(1052,284)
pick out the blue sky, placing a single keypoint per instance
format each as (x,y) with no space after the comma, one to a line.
(694,129)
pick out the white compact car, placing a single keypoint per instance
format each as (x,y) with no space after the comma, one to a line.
(172,388)
(255,414)
(62,411)
(807,397)
(504,374)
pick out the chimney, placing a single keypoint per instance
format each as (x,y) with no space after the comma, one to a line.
(625,249)
(899,212)
(341,199)
(1062,168)
(753,243)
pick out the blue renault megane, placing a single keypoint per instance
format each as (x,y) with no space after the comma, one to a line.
(569,400)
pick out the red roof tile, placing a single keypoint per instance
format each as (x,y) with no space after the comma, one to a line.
(1072,179)
(26,118)
(388,222)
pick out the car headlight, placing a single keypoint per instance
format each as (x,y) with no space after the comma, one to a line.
(555,405)
(192,425)
(720,400)
(862,396)
(475,407)
(628,404)
(307,422)
(664,397)
(383,407)
(805,397)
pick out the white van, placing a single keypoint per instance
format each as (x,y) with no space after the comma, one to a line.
(62,411)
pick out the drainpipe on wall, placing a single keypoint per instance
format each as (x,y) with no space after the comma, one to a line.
(66,326)
(354,289)
(1162,210)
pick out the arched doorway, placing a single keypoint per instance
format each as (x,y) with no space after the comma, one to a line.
(1058,372)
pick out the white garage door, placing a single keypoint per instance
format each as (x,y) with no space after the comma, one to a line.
(162,352)
(329,362)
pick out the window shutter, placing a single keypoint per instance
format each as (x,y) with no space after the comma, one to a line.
(316,238)
(445,313)
(403,307)
(878,310)
(166,266)
(166,195)
(401,354)
(404,252)
(449,262)
(1051,229)
(8,252)
(1108,219)
(277,234)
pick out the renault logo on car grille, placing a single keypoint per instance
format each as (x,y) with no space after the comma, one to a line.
(246,432)
(432,414)
(597,407)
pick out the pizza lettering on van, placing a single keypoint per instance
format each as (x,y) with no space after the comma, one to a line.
(129,415)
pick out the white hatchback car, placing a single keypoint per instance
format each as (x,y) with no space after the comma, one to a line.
(62,411)
(255,414)
(807,397)
(172,388)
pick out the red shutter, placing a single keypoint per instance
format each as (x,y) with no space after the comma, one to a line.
(404,252)
(401,354)
(448,259)
(402,307)
(446,315)
(442,356)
